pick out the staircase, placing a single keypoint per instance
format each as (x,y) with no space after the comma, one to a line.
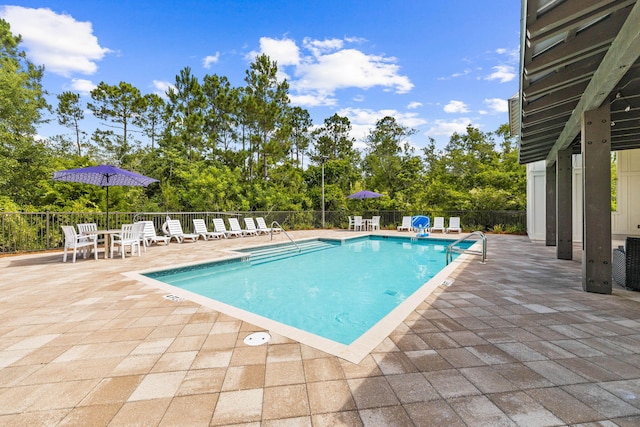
(272,253)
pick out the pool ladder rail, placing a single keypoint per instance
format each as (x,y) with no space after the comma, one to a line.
(285,233)
(451,249)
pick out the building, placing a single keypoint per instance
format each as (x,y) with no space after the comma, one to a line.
(579,101)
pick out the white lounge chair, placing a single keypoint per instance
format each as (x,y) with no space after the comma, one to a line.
(350,226)
(149,235)
(234,224)
(454,225)
(129,236)
(174,231)
(218,225)
(74,241)
(200,228)
(406,224)
(438,224)
(251,225)
(262,226)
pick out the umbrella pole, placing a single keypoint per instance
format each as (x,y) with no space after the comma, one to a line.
(107,221)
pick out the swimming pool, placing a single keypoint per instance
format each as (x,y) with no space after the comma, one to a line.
(338,293)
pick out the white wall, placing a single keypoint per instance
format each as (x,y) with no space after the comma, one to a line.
(576,197)
(624,222)
(536,200)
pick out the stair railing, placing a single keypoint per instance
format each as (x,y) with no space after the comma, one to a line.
(451,249)
(285,233)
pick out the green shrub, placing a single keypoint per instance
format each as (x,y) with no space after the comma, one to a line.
(515,229)
(474,227)
(300,220)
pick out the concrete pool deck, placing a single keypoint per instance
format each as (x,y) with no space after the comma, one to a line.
(512,342)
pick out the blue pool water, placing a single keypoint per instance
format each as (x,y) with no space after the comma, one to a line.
(337,293)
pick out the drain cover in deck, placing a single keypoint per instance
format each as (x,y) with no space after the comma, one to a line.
(257,338)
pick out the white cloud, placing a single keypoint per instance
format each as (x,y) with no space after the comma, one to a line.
(410,120)
(83,86)
(57,41)
(349,68)
(448,127)
(513,55)
(369,117)
(363,120)
(313,100)
(355,40)
(210,59)
(161,87)
(283,51)
(321,67)
(456,107)
(497,105)
(318,47)
(503,73)
(414,105)
(456,75)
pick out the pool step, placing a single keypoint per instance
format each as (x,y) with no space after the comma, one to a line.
(262,255)
(255,256)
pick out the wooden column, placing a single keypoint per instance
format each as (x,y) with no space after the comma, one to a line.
(550,206)
(564,225)
(596,180)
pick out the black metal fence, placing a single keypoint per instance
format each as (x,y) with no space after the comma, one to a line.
(40,231)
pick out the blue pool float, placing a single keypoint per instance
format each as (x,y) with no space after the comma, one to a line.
(422,223)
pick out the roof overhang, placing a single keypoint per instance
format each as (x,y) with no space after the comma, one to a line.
(576,55)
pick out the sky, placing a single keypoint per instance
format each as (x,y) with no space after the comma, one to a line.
(436,66)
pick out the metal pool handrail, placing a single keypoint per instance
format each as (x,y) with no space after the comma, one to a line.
(285,232)
(451,249)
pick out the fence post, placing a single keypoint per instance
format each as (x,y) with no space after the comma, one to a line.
(48,244)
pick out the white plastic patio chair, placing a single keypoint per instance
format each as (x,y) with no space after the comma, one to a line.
(406,224)
(375,223)
(89,228)
(218,225)
(454,225)
(129,236)
(174,231)
(350,226)
(200,228)
(438,224)
(74,241)
(143,240)
(357,223)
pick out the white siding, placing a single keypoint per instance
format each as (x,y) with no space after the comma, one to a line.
(624,222)
(536,200)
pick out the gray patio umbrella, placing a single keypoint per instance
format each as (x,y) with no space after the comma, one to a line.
(104,176)
(365,194)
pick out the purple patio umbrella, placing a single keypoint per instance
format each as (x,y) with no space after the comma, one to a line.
(365,194)
(104,176)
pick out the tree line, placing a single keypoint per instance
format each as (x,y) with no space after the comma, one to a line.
(215,147)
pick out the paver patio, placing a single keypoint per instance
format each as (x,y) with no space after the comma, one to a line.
(512,342)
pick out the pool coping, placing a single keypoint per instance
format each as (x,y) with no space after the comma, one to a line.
(354,352)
